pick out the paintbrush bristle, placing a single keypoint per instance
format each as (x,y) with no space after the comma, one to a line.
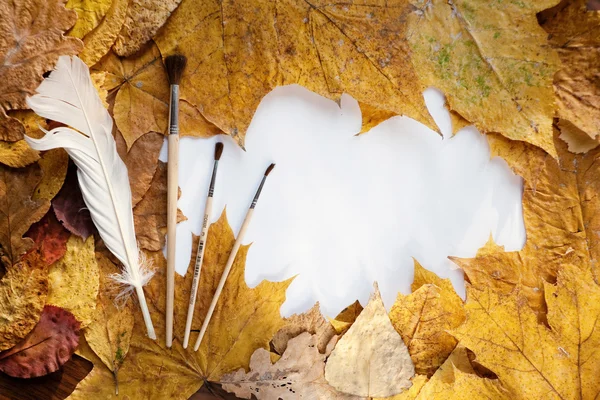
(175,65)
(268,171)
(218,150)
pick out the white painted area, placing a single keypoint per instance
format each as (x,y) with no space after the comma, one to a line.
(341,211)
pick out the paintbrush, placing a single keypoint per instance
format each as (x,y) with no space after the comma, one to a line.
(231,259)
(201,246)
(175,65)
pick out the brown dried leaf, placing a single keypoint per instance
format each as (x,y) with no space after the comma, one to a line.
(11,129)
(70,209)
(23,291)
(142,97)
(141,162)
(32,41)
(18,210)
(144,19)
(312,322)
(298,374)
(50,238)
(370,359)
(48,346)
(150,214)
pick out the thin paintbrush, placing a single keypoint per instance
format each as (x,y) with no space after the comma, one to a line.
(201,246)
(231,259)
(175,65)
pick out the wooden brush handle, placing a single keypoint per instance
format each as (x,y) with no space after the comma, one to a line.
(230,260)
(197,270)
(172,192)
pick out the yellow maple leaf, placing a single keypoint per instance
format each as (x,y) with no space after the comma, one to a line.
(244,320)
(532,360)
(142,97)
(99,41)
(423,317)
(492,61)
(89,15)
(74,280)
(560,210)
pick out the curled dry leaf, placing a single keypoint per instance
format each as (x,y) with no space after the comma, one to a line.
(561,215)
(89,15)
(244,320)
(32,33)
(298,374)
(573,32)
(312,322)
(141,162)
(17,154)
(23,291)
(346,318)
(18,210)
(70,209)
(98,42)
(370,359)
(142,97)
(577,140)
(150,214)
(532,360)
(493,62)
(423,317)
(74,280)
(48,346)
(246,49)
(110,332)
(50,238)
(144,19)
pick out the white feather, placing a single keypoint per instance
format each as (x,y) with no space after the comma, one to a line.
(68,96)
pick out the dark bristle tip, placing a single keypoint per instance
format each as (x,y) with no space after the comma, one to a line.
(218,150)
(175,65)
(268,171)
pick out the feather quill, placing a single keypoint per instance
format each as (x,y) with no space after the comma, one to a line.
(69,96)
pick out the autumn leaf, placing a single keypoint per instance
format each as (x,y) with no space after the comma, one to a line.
(141,162)
(150,214)
(493,62)
(142,97)
(245,52)
(577,140)
(532,360)
(298,374)
(48,346)
(17,154)
(98,42)
(312,322)
(144,18)
(560,210)
(423,317)
(54,164)
(74,280)
(373,354)
(89,15)
(32,33)
(573,33)
(50,238)
(23,291)
(18,210)
(244,320)
(109,333)
(344,320)
(70,208)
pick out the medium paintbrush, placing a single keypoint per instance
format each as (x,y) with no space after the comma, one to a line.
(231,259)
(201,245)
(175,65)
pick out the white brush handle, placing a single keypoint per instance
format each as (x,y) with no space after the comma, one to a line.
(230,260)
(197,270)
(172,192)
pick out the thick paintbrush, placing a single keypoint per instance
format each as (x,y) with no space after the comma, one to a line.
(231,259)
(201,246)
(175,65)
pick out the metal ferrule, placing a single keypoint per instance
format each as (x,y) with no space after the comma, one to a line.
(211,188)
(174,110)
(258,192)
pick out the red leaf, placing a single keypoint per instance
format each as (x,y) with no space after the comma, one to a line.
(50,238)
(70,209)
(46,348)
